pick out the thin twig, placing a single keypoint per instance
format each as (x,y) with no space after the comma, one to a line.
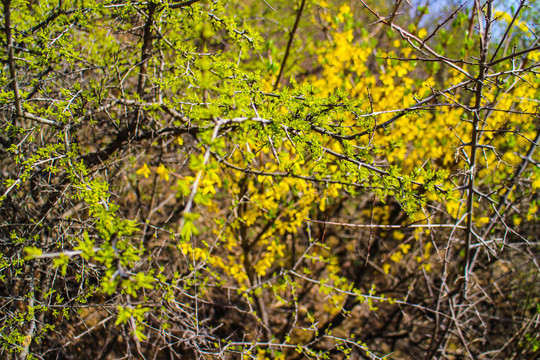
(383,226)
(521,4)
(183,4)
(146,51)
(11,60)
(289,43)
(485,37)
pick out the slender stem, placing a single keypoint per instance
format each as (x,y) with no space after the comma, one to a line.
(11,60)
(418,44)
(461,283)
(289,44)
(513,55)
(30,334)
(146,51)
(510,26)
(183,4)
(476,132)
(195,185)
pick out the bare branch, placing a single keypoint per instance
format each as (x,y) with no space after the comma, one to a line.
(289,43)
(11,60)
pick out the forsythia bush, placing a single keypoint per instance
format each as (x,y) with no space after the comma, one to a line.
(269,180)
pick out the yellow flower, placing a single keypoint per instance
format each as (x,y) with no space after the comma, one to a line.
(454,208)
(536,183)
(401,71)
(406,51)
(534,55)
(322,204)
(144,171)
(396,257)
(163,172)
(345,9)
(483,220)
(422,33)
(405,248)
